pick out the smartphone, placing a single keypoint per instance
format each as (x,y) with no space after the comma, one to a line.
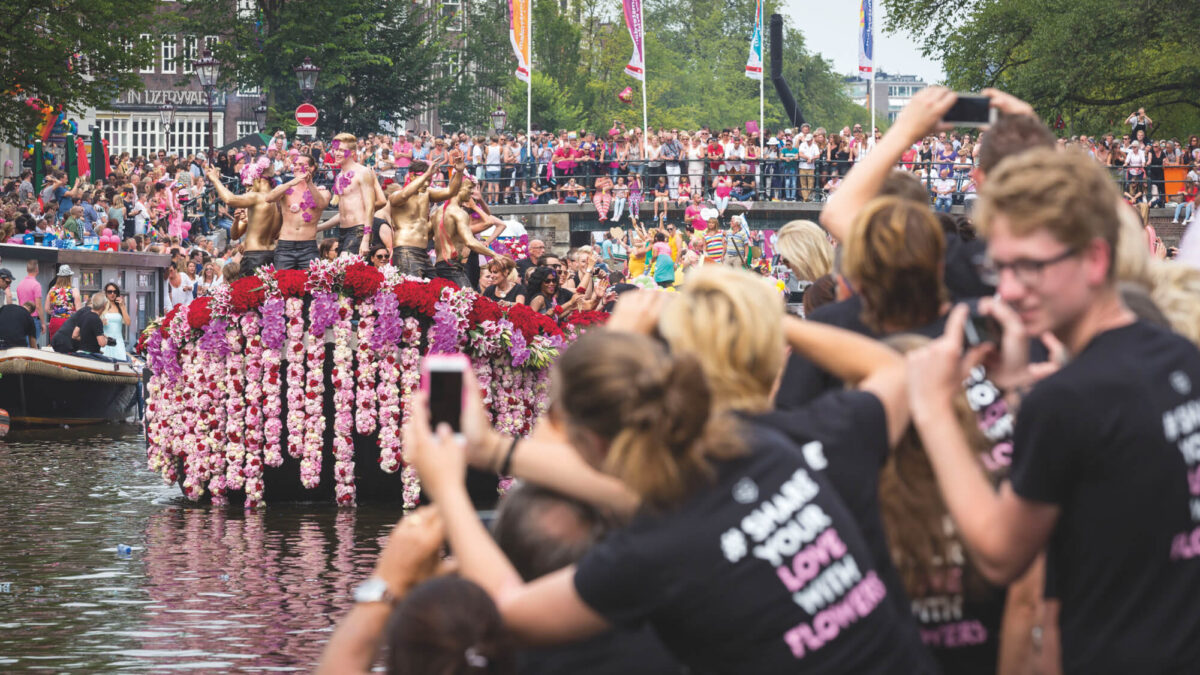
(979,329)
(442,382)
(971,110)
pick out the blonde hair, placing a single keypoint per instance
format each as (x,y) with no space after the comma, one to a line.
(1176,291)
(1065,193)
(1132,260)
(654,409)
(732,321)
(806,249)
(347,139)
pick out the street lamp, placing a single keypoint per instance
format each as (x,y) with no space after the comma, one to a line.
(260,114)
(207,69)
(306,77)
(166,113)
(499,117)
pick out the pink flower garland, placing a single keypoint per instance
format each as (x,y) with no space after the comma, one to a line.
(343,399)
(196,397)
(410,379)
(314,404)
(252,466)
(235,449)
(366,410)
(214,440)
(294,351)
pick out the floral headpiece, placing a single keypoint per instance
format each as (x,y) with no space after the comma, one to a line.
(253,171)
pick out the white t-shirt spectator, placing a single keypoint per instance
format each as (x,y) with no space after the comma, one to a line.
(944,186)
(182,294)
(808,153)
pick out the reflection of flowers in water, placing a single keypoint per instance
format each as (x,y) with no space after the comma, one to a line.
(259,589)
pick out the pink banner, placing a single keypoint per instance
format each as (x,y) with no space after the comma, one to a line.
(633,20)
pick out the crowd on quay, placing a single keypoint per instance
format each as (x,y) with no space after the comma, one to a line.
(977,453)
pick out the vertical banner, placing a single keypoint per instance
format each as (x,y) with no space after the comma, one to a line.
(754,64)
(633,20)
(866,37)
(518,17)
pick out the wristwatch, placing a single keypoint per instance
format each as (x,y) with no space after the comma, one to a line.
(374,589)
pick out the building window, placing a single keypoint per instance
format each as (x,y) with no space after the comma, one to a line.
(147,38)
(248,90)
(116,132)
(247,9)
(168,54)
(246,128)
(189,53)
(451,11)
(210,41)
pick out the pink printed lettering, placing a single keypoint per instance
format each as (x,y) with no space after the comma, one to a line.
(830,622)
(1186,545)
(808,562)
(953,635)
(1194,480)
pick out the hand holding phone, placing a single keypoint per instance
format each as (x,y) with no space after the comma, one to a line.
(971,110)
(442,382)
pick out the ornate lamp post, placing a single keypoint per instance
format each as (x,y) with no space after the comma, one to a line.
(166,114)
(260,114)
(207,70)
(306,77)
(499,117)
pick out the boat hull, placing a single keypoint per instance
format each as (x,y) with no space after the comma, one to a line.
(44,388)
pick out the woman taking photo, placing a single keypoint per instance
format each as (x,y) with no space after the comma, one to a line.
(116,323)
(704,560)
(61,300)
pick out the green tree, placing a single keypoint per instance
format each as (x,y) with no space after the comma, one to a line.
(552,108)
(71,54)
(485,67)
(379,61)
(1092,61)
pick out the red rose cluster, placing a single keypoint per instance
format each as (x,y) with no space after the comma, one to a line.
(170,316)
(484,309)
(246,294)
(291,283)
(589,318)
(200,312)
(530,323)
(362,281)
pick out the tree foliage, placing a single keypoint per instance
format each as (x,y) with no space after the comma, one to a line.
(695,59)
(378,60)
(1092,61)
(70,54)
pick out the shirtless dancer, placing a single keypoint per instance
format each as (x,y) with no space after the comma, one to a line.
(303,202)
(263,221)
(358,196)
(454,241)
(410,215)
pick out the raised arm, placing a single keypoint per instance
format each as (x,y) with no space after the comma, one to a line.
(414,186)
(276,194)
(236,201)
(922,115)
(441,195)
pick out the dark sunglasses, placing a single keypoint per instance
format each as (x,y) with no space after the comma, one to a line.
(379,256)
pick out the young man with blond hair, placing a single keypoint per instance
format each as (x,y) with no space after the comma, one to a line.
(358,196)
(1106,454)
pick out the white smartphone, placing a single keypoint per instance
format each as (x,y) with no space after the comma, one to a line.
(971,110)
(442,382)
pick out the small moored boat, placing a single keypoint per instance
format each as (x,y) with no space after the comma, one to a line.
(41,387)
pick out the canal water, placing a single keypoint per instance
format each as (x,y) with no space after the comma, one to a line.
(202,588)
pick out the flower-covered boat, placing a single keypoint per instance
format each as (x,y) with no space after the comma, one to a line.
(294,385)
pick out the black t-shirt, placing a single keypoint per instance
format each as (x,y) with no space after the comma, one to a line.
(764,571)
(1113,440)
(90,327)
(16,326)
(622,651)
(510,296)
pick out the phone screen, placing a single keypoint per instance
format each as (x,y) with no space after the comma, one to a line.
(445,398)
(969,109)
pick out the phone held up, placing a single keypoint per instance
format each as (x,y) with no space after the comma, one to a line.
(979,329)
(971,110)
(442,382)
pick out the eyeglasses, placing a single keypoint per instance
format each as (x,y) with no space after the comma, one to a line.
(110,292)
(379,256)
(1027,272)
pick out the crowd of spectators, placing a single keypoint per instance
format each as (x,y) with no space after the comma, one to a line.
(975,454)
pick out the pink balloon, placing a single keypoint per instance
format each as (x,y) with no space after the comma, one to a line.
(106,231)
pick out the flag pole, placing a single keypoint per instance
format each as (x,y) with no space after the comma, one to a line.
(762,76)
(529,88)
(871,136)
(645,125)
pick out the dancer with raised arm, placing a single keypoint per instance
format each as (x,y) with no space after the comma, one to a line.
(262,223)
(303,201)
(411,223)
(454,241)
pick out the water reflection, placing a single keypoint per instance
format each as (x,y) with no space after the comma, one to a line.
(203,588)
